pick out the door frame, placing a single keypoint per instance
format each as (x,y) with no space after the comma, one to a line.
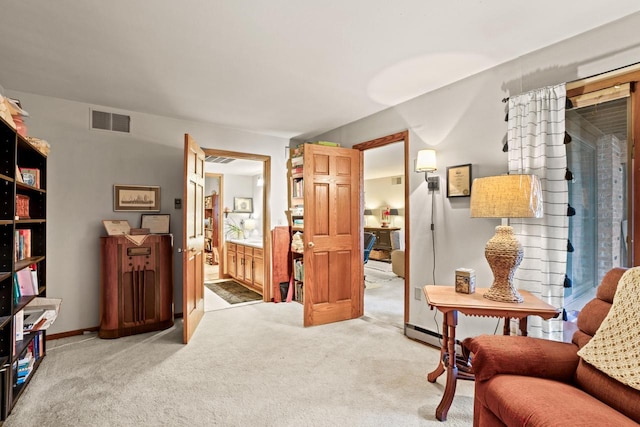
(630,75)
(220,178)
(266,212)
(381,142)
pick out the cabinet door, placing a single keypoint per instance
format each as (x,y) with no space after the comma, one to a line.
(231,262)
(139,297)
(248,267)
(240,267)
(258,272)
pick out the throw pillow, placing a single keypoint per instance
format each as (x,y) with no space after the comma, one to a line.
(615,347)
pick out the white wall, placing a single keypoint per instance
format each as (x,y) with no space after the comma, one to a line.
(83,166)
(465,123)
(380,193)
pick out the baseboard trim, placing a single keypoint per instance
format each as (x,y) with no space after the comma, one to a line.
(422,335)
(428,337)
(72,333)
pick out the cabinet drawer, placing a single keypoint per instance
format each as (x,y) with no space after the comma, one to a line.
(240,249)
(258,253)
(231,247)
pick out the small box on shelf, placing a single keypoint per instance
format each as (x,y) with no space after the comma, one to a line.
(22,206)
(465,280)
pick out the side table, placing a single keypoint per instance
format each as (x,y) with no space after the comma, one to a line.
(449,302)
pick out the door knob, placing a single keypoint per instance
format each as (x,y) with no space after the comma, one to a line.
(311,244)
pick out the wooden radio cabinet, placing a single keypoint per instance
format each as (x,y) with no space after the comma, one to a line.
(136,285)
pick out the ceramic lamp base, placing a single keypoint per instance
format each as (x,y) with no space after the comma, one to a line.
(504,254)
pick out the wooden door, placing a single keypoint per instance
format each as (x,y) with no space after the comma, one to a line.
(193,242)
(334,267)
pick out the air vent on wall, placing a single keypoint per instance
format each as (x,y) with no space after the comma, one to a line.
(218,159)
(396,180)
(110,121)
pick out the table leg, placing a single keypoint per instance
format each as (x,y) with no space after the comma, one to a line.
(433,376)
(523,325)
(452,369)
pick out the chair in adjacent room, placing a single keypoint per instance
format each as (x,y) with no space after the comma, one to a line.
(369,241)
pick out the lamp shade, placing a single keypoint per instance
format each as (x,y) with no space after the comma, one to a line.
(368,212)
(394,212)
(426,161)
(506,196)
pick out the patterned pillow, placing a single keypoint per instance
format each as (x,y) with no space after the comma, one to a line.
(615,347)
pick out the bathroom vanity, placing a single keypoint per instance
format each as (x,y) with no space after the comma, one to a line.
(245,262)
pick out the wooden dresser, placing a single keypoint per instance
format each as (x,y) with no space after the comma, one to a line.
(383,241)
(136,285)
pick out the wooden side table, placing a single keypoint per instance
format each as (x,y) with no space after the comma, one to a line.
(446,300)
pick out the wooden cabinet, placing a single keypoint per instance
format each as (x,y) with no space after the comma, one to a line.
(136,285)
(23,223)
(246,265)
(258,268)
(383,242)
(231,264)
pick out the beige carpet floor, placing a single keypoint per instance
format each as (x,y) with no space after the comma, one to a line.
(253,365)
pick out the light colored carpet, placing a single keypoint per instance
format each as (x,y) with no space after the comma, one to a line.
(253,365)
(383,294)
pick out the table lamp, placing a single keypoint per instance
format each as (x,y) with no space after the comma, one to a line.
(505,196)
(393,213)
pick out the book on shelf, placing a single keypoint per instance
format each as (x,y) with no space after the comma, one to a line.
(34,279)
(18,321)
(33,320)
(16,289)
(327,143)
(25,282)
(23,244)
(297,161)
(31,176)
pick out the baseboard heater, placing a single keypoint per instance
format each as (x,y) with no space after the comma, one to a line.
(426,336)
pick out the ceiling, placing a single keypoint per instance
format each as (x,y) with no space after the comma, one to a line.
(290,68)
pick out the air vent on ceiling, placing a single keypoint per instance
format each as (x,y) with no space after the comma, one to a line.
(218,159)
(110,121)
(396,180)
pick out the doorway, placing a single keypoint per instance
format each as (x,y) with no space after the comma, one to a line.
(240,219)
(386,215)
(597,156)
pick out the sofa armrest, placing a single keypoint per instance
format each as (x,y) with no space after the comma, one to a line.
(517,355)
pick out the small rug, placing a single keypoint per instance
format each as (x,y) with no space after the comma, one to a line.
(233,292)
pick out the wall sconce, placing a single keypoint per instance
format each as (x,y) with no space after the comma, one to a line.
(226,212)
(426,162)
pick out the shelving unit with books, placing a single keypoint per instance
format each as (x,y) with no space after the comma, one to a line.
(23,183)
(296,219)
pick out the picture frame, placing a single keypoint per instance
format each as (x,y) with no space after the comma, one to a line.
(116,227)
(459,180)
(242,205)
(157,224)
(132,198)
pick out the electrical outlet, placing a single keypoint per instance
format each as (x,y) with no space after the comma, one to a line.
(418,294)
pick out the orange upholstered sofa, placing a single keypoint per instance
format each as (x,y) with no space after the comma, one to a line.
(525,381)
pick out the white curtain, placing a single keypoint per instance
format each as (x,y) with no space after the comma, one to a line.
(535,136)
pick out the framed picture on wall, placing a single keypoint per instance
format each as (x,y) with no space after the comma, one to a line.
(136,198)
(243,205)
(157,224)
(459,181)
